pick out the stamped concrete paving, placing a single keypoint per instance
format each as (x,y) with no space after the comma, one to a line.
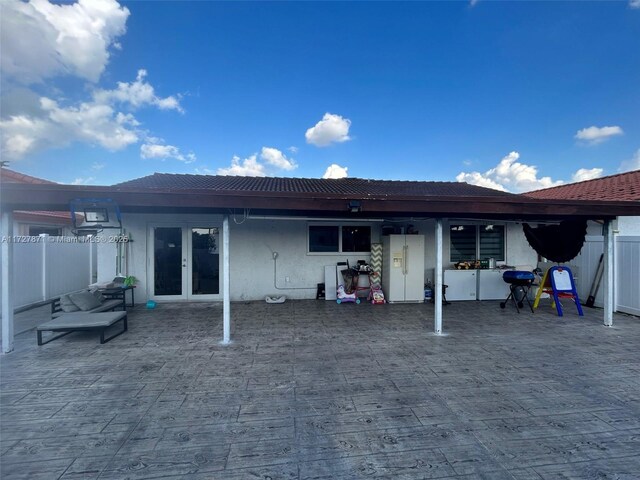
(316,390)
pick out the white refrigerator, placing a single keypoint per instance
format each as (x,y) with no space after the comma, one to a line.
(403,268)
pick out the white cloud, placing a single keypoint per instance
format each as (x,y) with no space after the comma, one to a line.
(96,122)
(137,94)
(41,40)
(83,181)
(584,174)
(249,167)
(258,165)
(331,129)
(631,164)
(155,148)
(59,126)
(293,149)
(335,171)
(509,175)
(634,3)
(275,157)
(97,166)
(595,135)
(477,178)
(473,3)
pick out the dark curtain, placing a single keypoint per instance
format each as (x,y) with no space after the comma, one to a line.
(558,243)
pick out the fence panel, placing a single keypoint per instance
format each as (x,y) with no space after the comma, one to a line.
(587,263)
(68,266)
(27,282)
(628,275)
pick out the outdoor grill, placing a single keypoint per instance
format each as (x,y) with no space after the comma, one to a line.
(519,284)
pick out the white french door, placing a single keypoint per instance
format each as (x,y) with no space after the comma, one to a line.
(184,262)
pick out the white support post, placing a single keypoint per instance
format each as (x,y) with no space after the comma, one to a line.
(7,282)
(90,259)
(608,273)
(437,294)
(226,276)
(44,238)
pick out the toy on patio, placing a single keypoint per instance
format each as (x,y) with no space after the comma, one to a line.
(376,295)
(347,290)
(344,297)
(558,283)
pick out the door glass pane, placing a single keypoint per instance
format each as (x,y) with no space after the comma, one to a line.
(205,267)
(167,244)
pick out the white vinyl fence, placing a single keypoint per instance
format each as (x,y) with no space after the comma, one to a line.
(626,272)
(45,267)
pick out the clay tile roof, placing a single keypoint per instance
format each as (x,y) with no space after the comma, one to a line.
(9,176)
(622,187)
(343,186)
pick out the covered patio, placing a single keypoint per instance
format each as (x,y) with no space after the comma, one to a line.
(312,389)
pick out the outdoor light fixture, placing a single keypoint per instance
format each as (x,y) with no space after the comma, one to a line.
(96,215)
(355,206)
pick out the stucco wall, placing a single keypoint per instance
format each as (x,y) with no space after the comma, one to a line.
(629,226)
(253,242)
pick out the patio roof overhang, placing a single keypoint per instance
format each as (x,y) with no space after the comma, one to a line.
(154,200)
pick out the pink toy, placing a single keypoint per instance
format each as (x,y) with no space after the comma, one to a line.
(344,297)
(376,295)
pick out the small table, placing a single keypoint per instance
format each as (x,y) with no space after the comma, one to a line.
(78,321)
(119,293)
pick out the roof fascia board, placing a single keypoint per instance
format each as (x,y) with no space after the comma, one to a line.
(48,197)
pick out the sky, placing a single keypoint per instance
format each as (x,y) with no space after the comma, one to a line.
(510,95)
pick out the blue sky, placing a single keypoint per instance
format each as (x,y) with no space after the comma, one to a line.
(511,95)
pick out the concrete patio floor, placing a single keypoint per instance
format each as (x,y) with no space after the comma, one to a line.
(316,390)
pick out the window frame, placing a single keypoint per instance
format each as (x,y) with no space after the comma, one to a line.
(477,227)
(339,226)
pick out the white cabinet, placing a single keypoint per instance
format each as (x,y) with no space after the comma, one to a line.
(403,268)
(475,285)
(491,286)
(462,284)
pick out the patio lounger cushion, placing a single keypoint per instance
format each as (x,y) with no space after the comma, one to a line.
(96,293)
(106,305)
(78,321)
(67,305)
(85,301)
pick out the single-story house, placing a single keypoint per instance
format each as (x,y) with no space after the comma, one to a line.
(241,238)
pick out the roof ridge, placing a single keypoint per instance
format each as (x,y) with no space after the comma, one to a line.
(299,178)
